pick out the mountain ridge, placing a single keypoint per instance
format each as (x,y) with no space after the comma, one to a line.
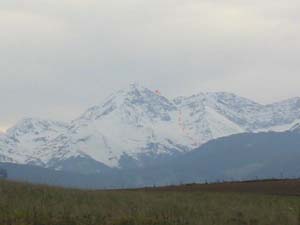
(136,127)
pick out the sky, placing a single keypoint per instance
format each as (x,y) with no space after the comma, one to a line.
(59,57)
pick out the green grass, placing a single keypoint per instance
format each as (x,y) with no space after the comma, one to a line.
(25,204)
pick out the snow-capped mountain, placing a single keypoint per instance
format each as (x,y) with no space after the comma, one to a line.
(132,123)
(247,115)
(136,126)
(27,142)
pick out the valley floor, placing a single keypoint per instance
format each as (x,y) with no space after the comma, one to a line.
(26,204)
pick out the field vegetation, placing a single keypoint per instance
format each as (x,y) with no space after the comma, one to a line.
(25,204)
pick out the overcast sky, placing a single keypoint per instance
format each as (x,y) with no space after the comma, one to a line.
(58,57)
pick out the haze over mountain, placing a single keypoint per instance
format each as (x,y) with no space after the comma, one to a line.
(136,127)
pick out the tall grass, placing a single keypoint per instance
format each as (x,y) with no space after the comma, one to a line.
(25,204)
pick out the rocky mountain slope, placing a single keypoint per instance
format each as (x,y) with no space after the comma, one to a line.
(136,127)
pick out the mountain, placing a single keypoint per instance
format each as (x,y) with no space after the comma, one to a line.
(137,127)
(237,157)
(132,124)
(245,114)
(43,143)
(241,156)
(26,141)
(244,156)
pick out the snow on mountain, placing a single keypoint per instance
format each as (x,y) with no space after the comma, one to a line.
(27,140)
(7,147)
(204,117)
(277,116)
(247,115)
(138,125)
(132,122)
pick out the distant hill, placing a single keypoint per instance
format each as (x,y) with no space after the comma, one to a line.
(39,175)
(237,157)
(241,156)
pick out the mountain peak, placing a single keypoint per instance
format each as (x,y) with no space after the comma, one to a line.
(136,86)
(136,90)
(131,100)
(133,91)
(34,125)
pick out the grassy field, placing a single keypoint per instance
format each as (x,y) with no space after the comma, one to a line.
(276,187)
(25,204)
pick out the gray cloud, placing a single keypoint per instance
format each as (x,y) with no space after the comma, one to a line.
(59,57)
